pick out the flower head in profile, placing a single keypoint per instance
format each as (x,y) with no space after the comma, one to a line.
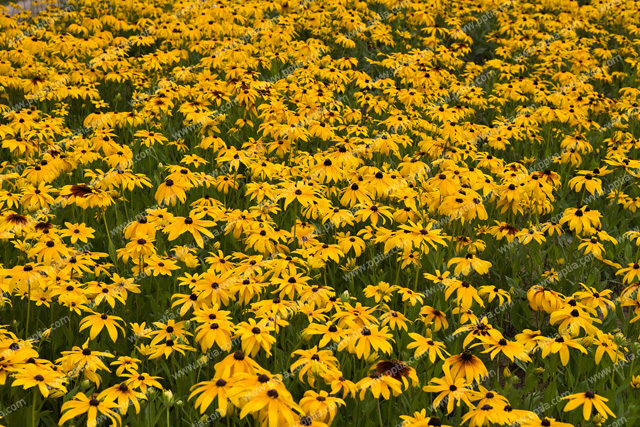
(94,407)
(590,402)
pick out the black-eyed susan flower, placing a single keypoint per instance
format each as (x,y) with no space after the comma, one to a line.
(92,406)
(464,265)
(451,390)
(533,420)
(210,390)
(314,363)
(560,345)
(193,224)
(590,401)
(631,271)
(142,381)
(373,338)
(466,365)
(273,406)
(99,321)
(320,406)
(123,396)
(44,378)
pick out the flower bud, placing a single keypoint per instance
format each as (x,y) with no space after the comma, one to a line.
(344,297)
(56,393)
(203,360)
(587,341)
(191,261)
(373,358)
(507,372)
(167,397)
(538,371)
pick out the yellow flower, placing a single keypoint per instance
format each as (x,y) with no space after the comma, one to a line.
(590,400)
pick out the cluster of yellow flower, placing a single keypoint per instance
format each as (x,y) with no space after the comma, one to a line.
(317,212)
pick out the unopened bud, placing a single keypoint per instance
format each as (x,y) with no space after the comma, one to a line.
(344,297)
(507,372)
(587,341)
(598,419)
(167,397)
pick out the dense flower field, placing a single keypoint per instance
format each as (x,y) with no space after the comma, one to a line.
(320,212)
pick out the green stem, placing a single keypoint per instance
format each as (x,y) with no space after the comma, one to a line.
(379,413)
(104,218)
(395,282)
(33,409)
(613,377)
(295,224)
(26,332)
(356,418)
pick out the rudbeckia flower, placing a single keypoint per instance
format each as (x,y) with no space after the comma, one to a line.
(123,396)
(633,270)
(560,345)
(45,379)
(469,262)
(374,338)
(273,406)
(590,400)
(193,224)
(254,337)
(580,219)
(170,193)
(210,390)
(314,363)
(97,322)
(90,405)
(320,406)
(466,365)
